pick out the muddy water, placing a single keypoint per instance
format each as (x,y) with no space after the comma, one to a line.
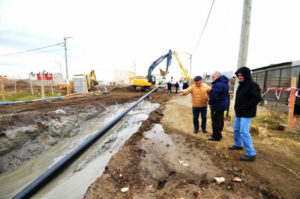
(74,181)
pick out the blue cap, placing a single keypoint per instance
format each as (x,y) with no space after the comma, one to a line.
(197,78)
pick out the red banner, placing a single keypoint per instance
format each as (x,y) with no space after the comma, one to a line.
(47,76)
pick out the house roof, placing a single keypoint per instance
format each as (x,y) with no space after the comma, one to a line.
(274,66)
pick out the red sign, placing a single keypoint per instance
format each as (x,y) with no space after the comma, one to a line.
(47,76)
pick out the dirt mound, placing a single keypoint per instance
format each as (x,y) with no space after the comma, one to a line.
(124,89)
(22,84)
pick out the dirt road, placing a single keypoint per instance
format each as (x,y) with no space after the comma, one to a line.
(167,160)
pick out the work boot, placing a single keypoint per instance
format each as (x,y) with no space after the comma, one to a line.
(235,147)
(214,139)
(195,131)
(204,131)
(248,158)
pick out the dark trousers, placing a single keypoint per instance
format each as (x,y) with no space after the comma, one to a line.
(196,112)
(217,121)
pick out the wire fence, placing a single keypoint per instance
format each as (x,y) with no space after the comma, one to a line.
(16,90)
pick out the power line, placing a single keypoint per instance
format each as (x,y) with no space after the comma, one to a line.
(31,50)
(204,27)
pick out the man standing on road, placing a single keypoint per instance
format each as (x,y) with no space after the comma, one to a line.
(219,102)
(176,87)
(247,97)
(200,94)
(169,87)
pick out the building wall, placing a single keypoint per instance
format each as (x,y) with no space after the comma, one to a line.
(123,77)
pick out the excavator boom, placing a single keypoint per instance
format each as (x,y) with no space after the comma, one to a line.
(158,61)
(182,67)
(150,80)
(91,80)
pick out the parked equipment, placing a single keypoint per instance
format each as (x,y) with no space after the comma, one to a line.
(90,79)
(150,79)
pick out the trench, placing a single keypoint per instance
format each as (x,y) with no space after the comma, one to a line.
(74,181)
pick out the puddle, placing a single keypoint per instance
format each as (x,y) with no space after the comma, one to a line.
(157,134)
(74,181)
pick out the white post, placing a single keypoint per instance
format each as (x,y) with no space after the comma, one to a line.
(66,62)
(31,88)
(52,86)
(244,40)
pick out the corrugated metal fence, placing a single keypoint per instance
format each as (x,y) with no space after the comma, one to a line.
(279,77)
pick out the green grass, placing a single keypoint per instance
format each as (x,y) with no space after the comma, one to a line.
(264,119)
(25,96)
(271,118)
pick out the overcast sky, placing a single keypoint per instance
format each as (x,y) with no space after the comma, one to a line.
(121,34)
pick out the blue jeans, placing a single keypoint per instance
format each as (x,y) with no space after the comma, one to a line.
(196,112)
(242,134)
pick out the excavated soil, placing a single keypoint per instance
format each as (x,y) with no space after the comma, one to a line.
(172,162)
(164,159)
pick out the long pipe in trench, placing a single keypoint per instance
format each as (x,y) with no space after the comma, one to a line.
(67,160)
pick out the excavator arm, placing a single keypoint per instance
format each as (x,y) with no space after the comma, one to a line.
(158,61)
(91,80)
(182,67)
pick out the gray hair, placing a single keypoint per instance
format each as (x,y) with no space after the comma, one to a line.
(217,73)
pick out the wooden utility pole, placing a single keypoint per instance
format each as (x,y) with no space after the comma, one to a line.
(31,88)
(244,40)
(16,87)
(292,103)
(2,89)
(52,87)
(42,85)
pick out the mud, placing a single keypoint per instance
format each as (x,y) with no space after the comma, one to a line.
(166,160)
(29,129)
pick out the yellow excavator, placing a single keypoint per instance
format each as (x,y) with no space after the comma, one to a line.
(90,79)
(145,83)
(149,81)
(91,82)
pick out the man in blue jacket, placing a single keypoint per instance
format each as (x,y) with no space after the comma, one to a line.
(219,102)
(247,97)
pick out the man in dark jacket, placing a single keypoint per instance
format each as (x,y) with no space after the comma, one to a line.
(185,85)
(247,97)
(219,102)
(176,87)
(169,87)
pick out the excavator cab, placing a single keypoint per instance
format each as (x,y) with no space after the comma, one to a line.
(91,80)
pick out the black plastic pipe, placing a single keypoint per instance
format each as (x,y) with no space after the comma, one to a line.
(67,160)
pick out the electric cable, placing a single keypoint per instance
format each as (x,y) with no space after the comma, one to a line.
(31,50)
(203,27)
